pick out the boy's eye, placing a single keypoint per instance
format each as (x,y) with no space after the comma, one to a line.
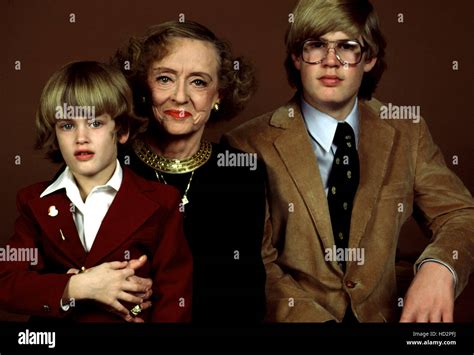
(66,126)
(319,44)
(95,124)
(315,44)
(347,46)
(199,82)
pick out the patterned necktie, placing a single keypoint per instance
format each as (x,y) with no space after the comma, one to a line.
(342,183)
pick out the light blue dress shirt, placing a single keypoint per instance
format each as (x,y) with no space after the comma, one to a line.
(322,128)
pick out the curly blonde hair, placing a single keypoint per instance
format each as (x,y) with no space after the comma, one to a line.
(236,85)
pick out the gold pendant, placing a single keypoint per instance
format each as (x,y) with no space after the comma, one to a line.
(184,200)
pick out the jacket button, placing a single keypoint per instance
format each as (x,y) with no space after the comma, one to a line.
(46,308)
(350,284)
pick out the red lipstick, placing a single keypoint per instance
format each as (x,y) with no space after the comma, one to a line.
(178,114)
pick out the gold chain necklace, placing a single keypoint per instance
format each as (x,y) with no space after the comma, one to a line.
(184,199)
(172,166)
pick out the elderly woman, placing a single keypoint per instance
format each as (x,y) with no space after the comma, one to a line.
(183,77)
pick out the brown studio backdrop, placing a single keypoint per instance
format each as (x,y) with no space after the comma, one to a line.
(420,56)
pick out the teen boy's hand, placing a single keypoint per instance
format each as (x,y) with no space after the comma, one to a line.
(430,297)
(110,283)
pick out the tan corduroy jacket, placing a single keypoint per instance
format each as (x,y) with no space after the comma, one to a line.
(401,171)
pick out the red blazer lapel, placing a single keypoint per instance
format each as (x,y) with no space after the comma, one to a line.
(53,214)
(129,210)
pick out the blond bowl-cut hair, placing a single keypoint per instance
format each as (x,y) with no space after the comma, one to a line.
(85,84)
(314,18)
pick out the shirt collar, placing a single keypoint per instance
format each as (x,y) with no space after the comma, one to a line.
(322,127)
(116,180)
(66,181)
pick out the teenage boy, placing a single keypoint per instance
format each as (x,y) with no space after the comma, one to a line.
(342,182)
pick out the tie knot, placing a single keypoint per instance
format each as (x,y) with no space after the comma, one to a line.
(344,134)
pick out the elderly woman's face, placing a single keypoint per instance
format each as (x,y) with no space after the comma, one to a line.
(184,86)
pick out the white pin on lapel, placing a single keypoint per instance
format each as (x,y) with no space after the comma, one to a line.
(62,235)
(52,211)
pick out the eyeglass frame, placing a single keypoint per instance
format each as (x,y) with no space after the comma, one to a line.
(362,47)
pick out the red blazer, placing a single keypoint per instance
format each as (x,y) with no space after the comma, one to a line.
(144,218)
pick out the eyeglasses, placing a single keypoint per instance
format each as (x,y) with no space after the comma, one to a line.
(347,51)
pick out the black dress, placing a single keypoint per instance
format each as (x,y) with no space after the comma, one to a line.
(223,223)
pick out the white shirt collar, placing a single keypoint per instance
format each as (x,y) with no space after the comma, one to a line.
(322,127)
(66,181)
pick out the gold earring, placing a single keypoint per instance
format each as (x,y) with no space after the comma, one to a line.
(216,107)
